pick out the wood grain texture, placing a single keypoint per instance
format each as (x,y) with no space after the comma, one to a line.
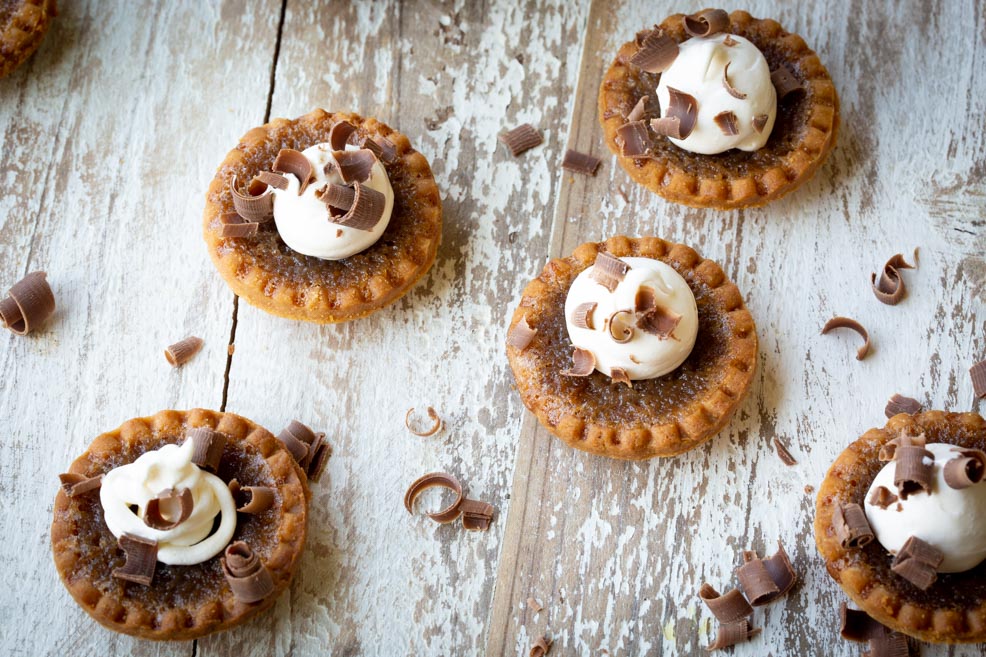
(616,552)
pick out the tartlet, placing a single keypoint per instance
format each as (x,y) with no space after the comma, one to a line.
(953,608)
(264,271)
(182,602)
(804,132)
(23,24)
(655,417)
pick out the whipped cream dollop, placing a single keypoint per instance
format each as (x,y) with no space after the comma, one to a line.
(303,220)
(950,519)
(699,70)
(644,355)
(170,467)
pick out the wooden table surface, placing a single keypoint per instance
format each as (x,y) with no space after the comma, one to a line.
(110,134)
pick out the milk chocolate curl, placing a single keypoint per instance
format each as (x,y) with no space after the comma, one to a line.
(582,315)
(436,423)
(540,647)
(656,54)
(619,375)
(732,91)
(913,471)
(583,363)
(521,139)
(965,470)
(141,559)
(785,83)
(233,225)
(76,484)
(246,574)
(383,148)
(730,634)
(621,326)
(729,41)
(856,625)
(534,605)
(581,162)
(339,135)
(297,437)
(852,324)
(918,562)
(177,504)
(319,455)
(889,644)
(367,209)
(782,453)
(889,449)
(208,446)
(668,126)
(900,404)
(257,204)
(727,122)
(706,22)
(275,180)
(444,480)
(182,351)
(28,304)
(476,515)
(978,374)
(520,335)
(684,108)
(851,526)
(640,111)
(760,122)
(890,288)
(355,166)
(289,160)
(252,499)
(608,271)
(634,139)
(340,197)
(882,497)
(659,321)
(727,608)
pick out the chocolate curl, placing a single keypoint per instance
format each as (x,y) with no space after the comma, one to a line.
(706,22)
(659,321)
(476,515)
(28,304)
(853,325)
(339,135)
(246,574)
(444,480)
(208,447)
(882,497)
(891,644)
(236,226)
(856,625)
(294,162)
(782,453)
(851,526)
(583,363)
(383,148)
(760,122)
(890,289)
(141,559)
(918,562)
(683,107)
(520,335)
(582,315)
(965,470)
(727,608)
(656,54)
(252,499)
(621,326)
(765,580)
(729,88)
(608,271)
(640,111)
(521,139)
(889,449)
(154,518)
(978,374)
(76,484)
(436,425)
(619,375)
(355,166)
(727,122)
(540,647)
(581,162)
(257,204)
(912,474)
(366,211)
(900,404)
(297,437)
(275,180)
(319,455)
(634,139)
(730,634)
(785,83)
(182,351)
(668,126)
(341,197)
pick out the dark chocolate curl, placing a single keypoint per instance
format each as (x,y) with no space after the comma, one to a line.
(857,625)
(367,209)
(912,474)
(252,499)
(900,404)
(476,515)
(852,324)
(236,226)
(294,162)
(246,574)
(732,91)
(155,519)
(634,139)
(608,270)
(918,562)
(339,135)
(520,335)
(683,107)
(978,374)
(449,513)
(851,526)
(28,304)
(355,166)
(706,22)
(756,581)
(785,83)
(727,608)
(256,205)
(782,453)
(141,559)
(521,139)
(659,321)
(208,447)
(656,54)
(581,162)
(76,484)
(388,154)
(668,126)
(583,363)
(966,469)
(730,634)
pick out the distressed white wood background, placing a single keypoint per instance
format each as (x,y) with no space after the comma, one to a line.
(111,132)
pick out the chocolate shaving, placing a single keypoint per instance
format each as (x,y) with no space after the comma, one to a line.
(851,526)
(640,111)
(912,473)
(583,363)
(634,139)
(256,204)
(155,519)
(367,209)
(252,499)
(888,449)
(619,375)
(668,126)
(521,334)
(476,515)
(682,107)
(852,324)
(580,162)
(621,326)
(890,288)
(729,41)
(857,625)
(966,469)
(900,404)
(659,321)
(208,447)
(882,497)
(608,271)
(355,166)
(730,89)
(246,574)
(978,374)
(436,425)
(730,634)
(521,139)
(449,513)
(340,197)
(706,22)
(275,180)
(318,458)
(534,605)
(760,122)
(656,54)
(182,351)
(784,82)
(76,484)
(727,608)
(233,225)
(141,559)
(540,647)
(28,303)
(783,453)
(645,299)
(339,135)
(297,437)
(889,644)
(289,160)
(918,562)
(384,149)
(727,122)
(765,580)
(582,315)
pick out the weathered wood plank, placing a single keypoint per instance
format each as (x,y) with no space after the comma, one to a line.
(616,552)
(107,138)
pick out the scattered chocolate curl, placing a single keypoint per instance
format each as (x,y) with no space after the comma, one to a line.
(782,453)
(766,580)
(252,500)
(182,351)
(256,204)
(966,469)
(727,608)
(521,334)
(366,211)
(668,126)
(890,288)
(619,375)
(233,225)
(760,122)
(318,457)
(857,625)
(339,135)
(28,303)
(634,139)
(154,515)
(853,325)
(851,526)
(581,162)
(582,315)
(355,166)
(444,480)
(706,22)
(683,107)
(659,321)
(732,91)
(640,111)
(436,423)
(246,574)
(978,374)
(583,363)
(608,270)
(730,634)
(384,149)
(289,160)
(913,471)
(727,122)
(889,449)
(621,326)
(275,180)
(76,484)
(882,497)
(785,83)
(890,644)
(298,438)
(521,139)
(918,562)
(656,54)
(208,447)
(534,605)
(540,647)
(141,559)
(476,515)
(900,404)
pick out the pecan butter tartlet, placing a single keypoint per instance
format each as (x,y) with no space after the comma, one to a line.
(900,521)
(184,523)
(324,218)
(632,348)
(23,24)
(719,110)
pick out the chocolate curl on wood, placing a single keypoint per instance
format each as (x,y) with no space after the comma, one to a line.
(580,162)
(978,374)
(182,351)
(730,634)
(443,480)
(521,139)
(246,574)
(436,423)
(857,625)
(141,559)
(476,515)
(297,437)
(540,647)
(208,447)
(890,288)
(727,608)
(765,580)
(28,303)
(900,404)
(853,325)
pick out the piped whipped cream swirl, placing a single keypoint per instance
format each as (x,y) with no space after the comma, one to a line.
(170,467)
(699,70)
(644,355)
(303,220)
(950,519)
